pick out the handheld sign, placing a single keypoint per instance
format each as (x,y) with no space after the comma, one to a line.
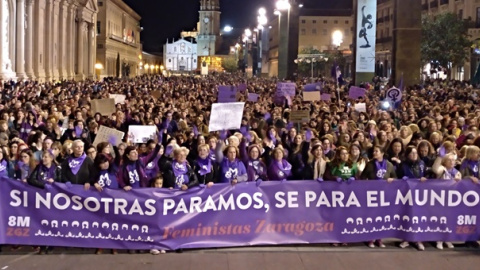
(103,106)
(104,133)
(286,89)
(226,116)
(356,92)
(226,94)
(300,116)
(141,134)
(311,96)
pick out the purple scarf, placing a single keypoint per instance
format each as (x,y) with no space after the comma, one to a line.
(24,169)
(25,129)
(255,170)
(46,173)
(76,163)
(283,169)
(473,166)
(212,156)
(230,170)
(180,170)
(450,174)
(78,131)
(381,168)
(3,168)
(205,166)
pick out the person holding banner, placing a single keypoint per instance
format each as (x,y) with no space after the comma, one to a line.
(279,169)
(43,176)
(179,173)
(232,170)
(205,168)
(315,168)
(341,168)
(105,173)
(78,168)
(470,164)
(445,169)
(25,165)
(132,173)
(379,168)
(256,168)
(412,168)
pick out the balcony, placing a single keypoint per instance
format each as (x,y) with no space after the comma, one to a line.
(434,4)
(444,2)
(425,6)
(380,20)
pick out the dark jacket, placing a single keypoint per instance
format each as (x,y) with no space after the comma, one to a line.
(169,177)
(36,177)
(370,171)
(209,177)
(85,173)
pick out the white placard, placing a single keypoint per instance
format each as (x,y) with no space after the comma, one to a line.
(104,133)
(361,107)
(118,98)
(394,95)
(141,134)
(366,34)
(226,116)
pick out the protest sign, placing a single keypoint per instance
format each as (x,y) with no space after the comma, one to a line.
(226,94)
(118,98)
(273,213)
(300,116)
(141,134)
(156,94)
(311,96)
(394,95)
(326,97)
(253,97)
(104,133)
(312,87)
(242,87)
(103,106)
(286,89)
(361,107)
(226,116)
(356,92)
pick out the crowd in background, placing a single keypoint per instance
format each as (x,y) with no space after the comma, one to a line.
(47,132)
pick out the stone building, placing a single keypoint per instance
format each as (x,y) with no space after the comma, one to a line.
(47,40)
(119,50)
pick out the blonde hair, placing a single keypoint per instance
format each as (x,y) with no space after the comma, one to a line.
(414,128)
(448,156)
(178,150)
(471,150)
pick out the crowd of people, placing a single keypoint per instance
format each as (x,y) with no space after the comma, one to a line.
(47,132)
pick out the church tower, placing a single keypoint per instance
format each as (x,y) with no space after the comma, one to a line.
(208,39)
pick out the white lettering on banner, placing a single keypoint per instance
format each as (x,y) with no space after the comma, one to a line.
(62,201)
(336,201)
(193,205)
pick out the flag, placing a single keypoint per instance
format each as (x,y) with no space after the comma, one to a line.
(400,85)
(337,73)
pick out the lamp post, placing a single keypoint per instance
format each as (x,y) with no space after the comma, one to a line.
(98,68)
(262,20)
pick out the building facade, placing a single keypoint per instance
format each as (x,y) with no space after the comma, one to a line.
(180,55)
(208,37)
(119,50)
(47,40)
(319,30)
(465,9)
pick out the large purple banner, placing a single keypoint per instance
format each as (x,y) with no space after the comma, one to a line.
(240,215)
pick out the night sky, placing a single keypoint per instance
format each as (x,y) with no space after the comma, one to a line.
(162,19)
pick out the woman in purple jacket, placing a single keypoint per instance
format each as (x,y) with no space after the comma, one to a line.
(132,172)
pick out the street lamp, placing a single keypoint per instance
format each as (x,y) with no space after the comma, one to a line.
(337,38)
(282,5)
(98,68)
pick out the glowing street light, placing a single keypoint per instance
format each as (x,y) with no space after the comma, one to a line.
(248,32)
(262,11)
(282,5)
(337,38)
(227,29)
